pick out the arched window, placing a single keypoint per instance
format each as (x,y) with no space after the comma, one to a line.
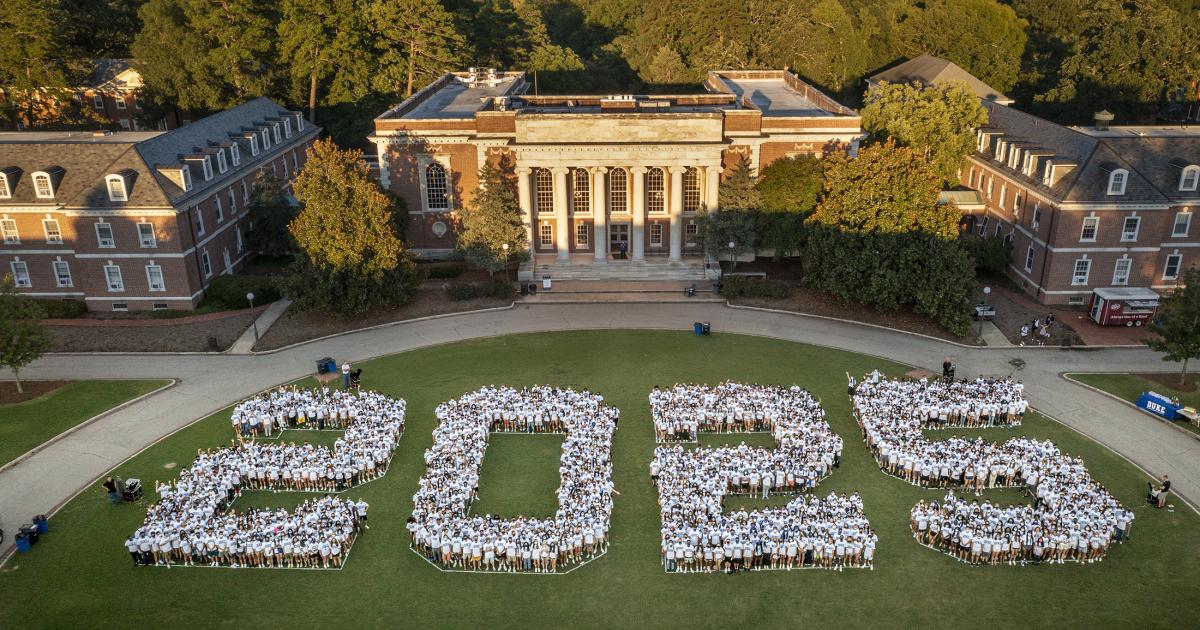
(116,188)
(618,190)
(691,189)
(543,183)
(655,202)
(437,196)
(1190,178)
(42,185)
(581,190)
(1117,180)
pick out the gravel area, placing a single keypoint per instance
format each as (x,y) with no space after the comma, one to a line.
(1012,311)
(429,300)
(184,337)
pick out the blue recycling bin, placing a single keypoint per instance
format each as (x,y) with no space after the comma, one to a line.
(698,328)
(42,523)
(23,544)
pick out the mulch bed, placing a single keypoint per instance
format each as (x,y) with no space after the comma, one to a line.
(1171,379)
(33,389)
(181,337)
(431,299)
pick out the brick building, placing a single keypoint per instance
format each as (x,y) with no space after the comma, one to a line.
(139,220)
(111,92)
(596,175)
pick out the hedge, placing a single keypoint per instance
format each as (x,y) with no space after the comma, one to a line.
(741,286)
(442,270)
(230,291)
(62,309)
(498,289)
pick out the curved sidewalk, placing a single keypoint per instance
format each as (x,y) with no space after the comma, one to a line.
(206,383)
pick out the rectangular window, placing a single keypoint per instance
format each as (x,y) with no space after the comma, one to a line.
(1017,204)
(1183,221)
(991,186)
(690,231)
(125,126)
(581,235)
(1029,259)
(1121,272)
(120,306)
(275,130)
(971,183)
(253,145)
(98,100)
(222,165)
(1171,271)
(137,102)
(618,191)
(237,230)
(146,235)
(104,235)
(266,139)
(53,233)
(199,221)
(1083,268)
(20,272)
(120,101)
(543,182)
(245,193)
(287,127)
(1037,215)
(232,202)
(285,166)
(206,262)
(62,273)
(1003,194)
(154,278)
(1088,233)
(999,225)
(160,306)
(983,226)
(112,275)
(546,234)
(656,233)
(295,163)
(220,210)
(1129,230)
(9,228)
(208,172)
(233,152)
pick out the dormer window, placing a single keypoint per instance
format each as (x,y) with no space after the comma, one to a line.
(1189,180)
(1116,181)
(222,165)
(253,145)
(5,186)
(287,127)
(186,171)
(266,138)
(275,129)
(1048,173)
(234,155)
(43,186)
(299,122)
(116,188)
(208,172)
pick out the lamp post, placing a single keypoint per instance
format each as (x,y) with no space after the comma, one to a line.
(732,246)
(986,292)
(250,299)
(505,248)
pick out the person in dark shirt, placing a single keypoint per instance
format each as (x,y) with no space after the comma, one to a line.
(1162,492)
(110,486)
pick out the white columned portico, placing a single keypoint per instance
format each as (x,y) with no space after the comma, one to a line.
(600,214)
(676,211)
(639,213)
(562,220)
(523,199)
(712,186)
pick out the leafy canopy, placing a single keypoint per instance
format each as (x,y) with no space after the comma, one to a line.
(491,221)
(1178,323)
(23,337)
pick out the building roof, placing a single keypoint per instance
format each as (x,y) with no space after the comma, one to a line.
(930,70)
(1153,156)
(114,74)
(1126,293)
(80,161)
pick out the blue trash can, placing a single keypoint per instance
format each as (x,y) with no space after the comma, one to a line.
(22,540)
(698,327)
(42,523)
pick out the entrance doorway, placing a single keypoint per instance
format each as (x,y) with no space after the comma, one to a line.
(618,240)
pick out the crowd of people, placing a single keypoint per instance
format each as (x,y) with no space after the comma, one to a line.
(191,523)
(442,527)
(830,533)
(1073,517)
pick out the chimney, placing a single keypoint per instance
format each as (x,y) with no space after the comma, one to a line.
(1103,119)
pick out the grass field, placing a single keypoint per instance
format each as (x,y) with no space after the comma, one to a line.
(81,574)
(27,424)
(1130,387)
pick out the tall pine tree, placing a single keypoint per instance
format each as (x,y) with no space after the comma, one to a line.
(417,42)
(491,221)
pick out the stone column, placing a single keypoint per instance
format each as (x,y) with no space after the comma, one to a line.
(638,226)
(523,199)
(676,211)
(712,183)
(600,214)
(562,219)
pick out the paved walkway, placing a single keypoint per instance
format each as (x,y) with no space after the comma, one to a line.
(245,343)
(208,383)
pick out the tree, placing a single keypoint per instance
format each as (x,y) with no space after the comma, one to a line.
(322,40)
(1178,323)
(492,227)
(417,42)
(886,189)
(270,213)
(350,253)
(985,37)
(560,67)
(717,230)
(37,66)
(940,121)
(206,55)
(736,191)
(23,337)
(791,185)
(667,68)
(102,28)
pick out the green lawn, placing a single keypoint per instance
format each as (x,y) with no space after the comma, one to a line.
(1130,387)
(25,425)
(81,571)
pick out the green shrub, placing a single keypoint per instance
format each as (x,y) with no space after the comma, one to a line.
(741,286)
(62,309)
(230,291)
(442,270)
(498,289)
